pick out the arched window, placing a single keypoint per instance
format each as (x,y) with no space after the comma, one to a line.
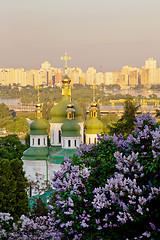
(75,143)
(69,143)
(32,141)
(44,141)
(38,141)
(95,141)
(59,136)
(89,141)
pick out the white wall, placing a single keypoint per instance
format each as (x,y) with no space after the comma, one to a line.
(72,142)
(54,133)
(35,139)
(91,137)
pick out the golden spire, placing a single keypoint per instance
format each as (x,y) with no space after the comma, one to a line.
(38,105)
(65,59)
(93,107)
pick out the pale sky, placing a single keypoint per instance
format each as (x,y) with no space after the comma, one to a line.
(107,33)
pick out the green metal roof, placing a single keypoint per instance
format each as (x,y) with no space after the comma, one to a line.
(58,157)
(70,128)
(36,153)
(38,127)
(47,195)
(59,113)
(94,126)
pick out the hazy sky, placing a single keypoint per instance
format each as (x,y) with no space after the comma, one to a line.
(111,33)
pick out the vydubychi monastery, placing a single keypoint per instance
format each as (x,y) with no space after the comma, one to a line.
(67,132)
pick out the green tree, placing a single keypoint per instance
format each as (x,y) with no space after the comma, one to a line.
(17,125)
(109,119)
(125,124)
(13,195)
(39,208)
(5,115)
(11,147)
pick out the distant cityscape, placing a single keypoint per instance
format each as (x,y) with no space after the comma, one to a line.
(47,75)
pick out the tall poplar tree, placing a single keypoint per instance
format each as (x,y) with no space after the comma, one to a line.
(13,195)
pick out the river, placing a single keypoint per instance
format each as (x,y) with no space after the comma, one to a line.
(10,101)
(133,92)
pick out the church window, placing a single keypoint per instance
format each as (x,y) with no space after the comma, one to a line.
(75,143)
(69,143)
(33,141)
(95,141)
(70,115)
(89,141)
(44,141)
(30,191)
(59,136)
(38,141)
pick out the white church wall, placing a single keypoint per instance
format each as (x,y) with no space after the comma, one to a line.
(71,142)
(32,167)
(54,133)
(82,131)
(38,140)
(52,167)
(91,139)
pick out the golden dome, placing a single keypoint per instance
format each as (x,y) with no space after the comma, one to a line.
(66,79)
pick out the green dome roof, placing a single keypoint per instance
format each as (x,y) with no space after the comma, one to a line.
(70,128)
(59,113)
(94,126)
(38,127)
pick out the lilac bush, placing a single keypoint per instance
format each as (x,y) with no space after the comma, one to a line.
(108,191)
(119,197)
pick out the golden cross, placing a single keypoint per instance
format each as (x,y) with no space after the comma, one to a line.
(65,58)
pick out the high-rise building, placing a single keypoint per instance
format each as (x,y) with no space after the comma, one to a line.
(75,75)
(91,76)
(150,65)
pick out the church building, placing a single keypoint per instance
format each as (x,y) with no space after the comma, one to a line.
(67,132)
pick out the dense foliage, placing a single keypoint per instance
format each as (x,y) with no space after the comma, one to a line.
(108,191)
(112,190)
(13,195)
(125,124)
(10,122)
(11,147)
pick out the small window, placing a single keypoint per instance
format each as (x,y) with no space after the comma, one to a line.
(89,141)
(95,140)
(38,141)
(59,135)
(75,143)
(69,143)
(44,141)
(70,115)
(33,141)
